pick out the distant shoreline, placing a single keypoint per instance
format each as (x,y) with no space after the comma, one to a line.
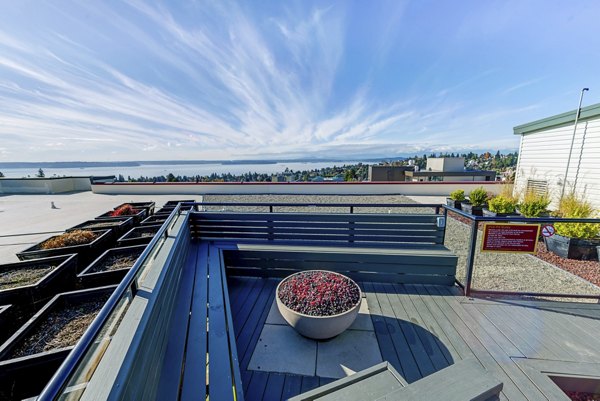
(79,164)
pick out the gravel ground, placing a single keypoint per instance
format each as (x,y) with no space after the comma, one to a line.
(116,262)
(493,271)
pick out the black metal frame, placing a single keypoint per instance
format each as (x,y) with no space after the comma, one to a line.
(475,220)
(59,381)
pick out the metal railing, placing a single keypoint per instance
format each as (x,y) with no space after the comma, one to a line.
(59,381)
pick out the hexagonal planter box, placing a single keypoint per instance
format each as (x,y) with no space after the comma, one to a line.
(173,203)
(118,225)
(111,266)
(36,280)
(86,252)
(30,357)
(165,210)
(139,235)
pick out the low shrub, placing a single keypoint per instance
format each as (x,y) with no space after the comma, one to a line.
(573,206)
(478,197)
(319,293)
(534,205)
(125,210)
(502,204)
(458,195)
(77,237)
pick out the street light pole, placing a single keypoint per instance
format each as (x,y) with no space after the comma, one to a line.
(572,141)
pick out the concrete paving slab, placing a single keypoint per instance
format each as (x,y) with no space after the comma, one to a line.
(350,352)
(274,316)
(281,349)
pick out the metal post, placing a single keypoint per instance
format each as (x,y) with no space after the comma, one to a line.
(572,142)
(270,208)
(471,257)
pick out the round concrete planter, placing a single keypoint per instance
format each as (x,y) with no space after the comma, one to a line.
(318,327)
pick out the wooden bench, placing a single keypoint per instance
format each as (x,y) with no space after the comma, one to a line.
(434,265)
(466,380)
(363,230)
(175,342)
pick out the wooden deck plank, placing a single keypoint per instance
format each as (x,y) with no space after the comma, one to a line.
(433,347)
(251,331)
(170,379)
(516,383)
(194,374)
(530,343)
(257,386)
(394,311)
(384,339)
(247,305)
(292,386)
(308,383)
(274,388)
(220,375)
(503,341)
(427,321)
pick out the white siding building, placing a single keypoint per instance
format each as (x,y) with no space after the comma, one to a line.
(544,152)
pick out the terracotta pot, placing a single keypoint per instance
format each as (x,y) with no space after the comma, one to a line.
(318,327)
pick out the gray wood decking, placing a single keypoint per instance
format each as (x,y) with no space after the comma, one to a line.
(423,328)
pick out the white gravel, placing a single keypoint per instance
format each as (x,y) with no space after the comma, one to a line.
(493,271)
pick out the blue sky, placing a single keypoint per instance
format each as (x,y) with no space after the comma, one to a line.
(140,80)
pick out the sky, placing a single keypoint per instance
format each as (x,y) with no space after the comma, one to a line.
(270,79)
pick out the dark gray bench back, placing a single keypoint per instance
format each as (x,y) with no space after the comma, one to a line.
(348,228)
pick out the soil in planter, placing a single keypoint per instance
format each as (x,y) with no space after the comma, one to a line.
(93,226)
(115,263)
(61,328)
(77,237)
(23,276)
(579,396)
(317,293)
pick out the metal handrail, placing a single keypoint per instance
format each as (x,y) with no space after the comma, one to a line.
(56,385)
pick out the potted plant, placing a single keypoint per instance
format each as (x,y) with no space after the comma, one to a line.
(35,280)
(318,304)
(86,243)
(575,240)
(500,206)
(534,205)
(477,200)
(111,266)
(455,199)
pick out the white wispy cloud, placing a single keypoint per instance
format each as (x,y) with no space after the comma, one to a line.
(231,86)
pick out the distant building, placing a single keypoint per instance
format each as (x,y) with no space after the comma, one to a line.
(449,169)
(544,165)
(388,173)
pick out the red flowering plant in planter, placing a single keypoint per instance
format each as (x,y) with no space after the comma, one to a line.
(125,210)
(319,293)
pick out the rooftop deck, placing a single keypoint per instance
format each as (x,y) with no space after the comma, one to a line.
(421,329)
(194,307)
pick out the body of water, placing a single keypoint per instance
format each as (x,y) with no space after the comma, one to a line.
(152,170)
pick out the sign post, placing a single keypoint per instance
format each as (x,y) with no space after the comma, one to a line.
(509,237)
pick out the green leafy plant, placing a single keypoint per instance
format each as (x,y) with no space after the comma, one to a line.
(502,204)
(458,195)
(534,205)
(572,206)
(478,197)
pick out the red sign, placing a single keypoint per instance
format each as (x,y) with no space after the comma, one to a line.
(548,231)
(507,237)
